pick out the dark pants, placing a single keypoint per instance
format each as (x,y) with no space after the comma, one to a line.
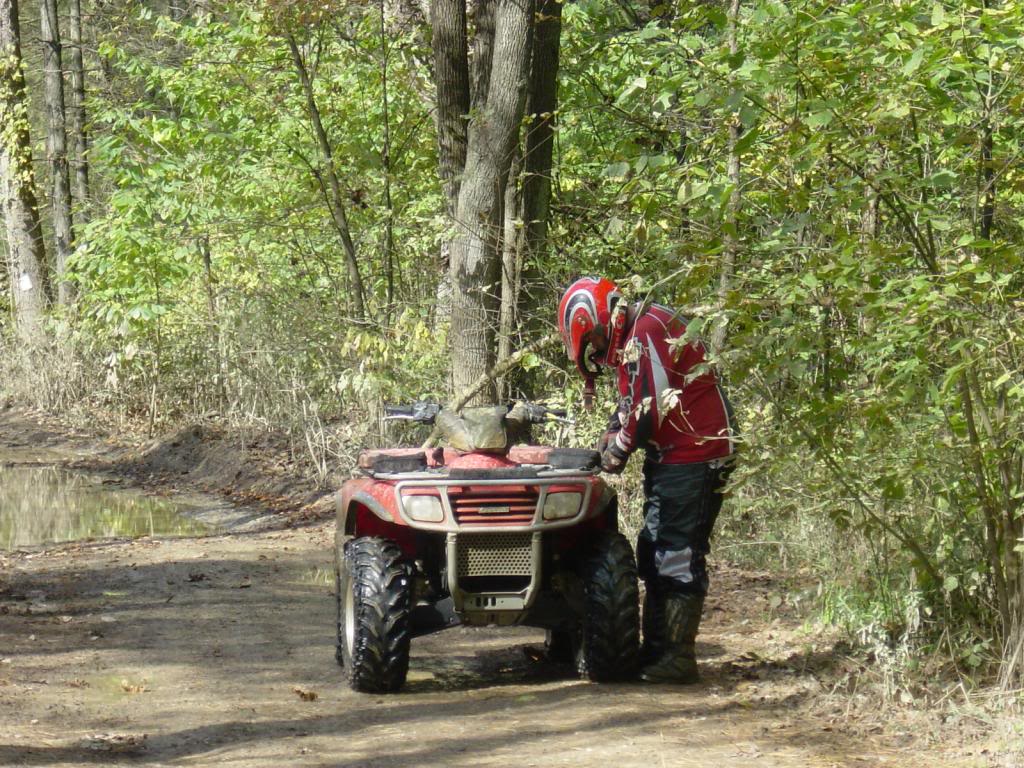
(682,504)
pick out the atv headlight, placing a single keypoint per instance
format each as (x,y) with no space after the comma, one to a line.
(424,509)
(559,506)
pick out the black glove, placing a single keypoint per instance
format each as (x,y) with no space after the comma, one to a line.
(605,440)
(615,417)
(613,459)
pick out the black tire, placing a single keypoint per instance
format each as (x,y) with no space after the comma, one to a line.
(373,621)
(339,612)
(609,647)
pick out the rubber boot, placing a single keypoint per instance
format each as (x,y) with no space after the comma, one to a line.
(678,664)
(653,624)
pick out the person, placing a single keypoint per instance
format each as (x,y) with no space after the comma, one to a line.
(674,408)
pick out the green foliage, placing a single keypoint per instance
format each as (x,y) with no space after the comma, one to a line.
(874,312)
(215,257)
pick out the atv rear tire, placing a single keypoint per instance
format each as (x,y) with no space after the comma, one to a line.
(609,647)
(373,627)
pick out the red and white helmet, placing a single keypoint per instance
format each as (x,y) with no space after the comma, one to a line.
(592,304)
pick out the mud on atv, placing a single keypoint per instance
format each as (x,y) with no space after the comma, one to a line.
(482,533)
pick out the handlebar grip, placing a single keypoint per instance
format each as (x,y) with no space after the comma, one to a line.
(558,413)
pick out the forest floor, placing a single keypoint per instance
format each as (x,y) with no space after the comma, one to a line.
(219,650)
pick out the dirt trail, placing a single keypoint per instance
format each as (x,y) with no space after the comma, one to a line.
(220,651)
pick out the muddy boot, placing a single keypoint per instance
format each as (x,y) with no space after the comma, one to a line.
(678,664)
(653,624)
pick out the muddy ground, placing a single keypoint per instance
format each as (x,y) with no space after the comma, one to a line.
(220,651)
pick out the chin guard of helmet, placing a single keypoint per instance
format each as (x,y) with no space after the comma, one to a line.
(616,334)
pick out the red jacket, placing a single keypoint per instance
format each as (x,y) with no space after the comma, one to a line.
(678,421)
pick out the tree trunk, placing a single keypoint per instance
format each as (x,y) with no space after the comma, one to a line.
(511,268)
(79,136)
(21,212)
(385,161)
(730,244)
(56,149)
(483,53)
(475,255)
(451,77)
(335,199)
(540,132)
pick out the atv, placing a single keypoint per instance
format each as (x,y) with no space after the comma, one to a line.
(482,532)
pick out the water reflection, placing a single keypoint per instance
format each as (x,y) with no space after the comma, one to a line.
(46,504)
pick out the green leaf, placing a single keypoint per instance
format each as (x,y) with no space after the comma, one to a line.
(617,170)
(914,62)
(638,84)
(819,119)
(529,362)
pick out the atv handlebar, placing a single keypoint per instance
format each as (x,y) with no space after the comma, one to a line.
(425,413)
(421,412)
(541,414)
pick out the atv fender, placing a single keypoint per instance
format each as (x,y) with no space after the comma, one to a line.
(366,508)
(375,498)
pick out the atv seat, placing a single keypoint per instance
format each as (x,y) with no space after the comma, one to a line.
(395,460)
(556,458)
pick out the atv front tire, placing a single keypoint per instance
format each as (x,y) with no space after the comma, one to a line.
(373,627)
(609,647)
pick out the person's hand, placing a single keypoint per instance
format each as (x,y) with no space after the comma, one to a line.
(613,460)
(604,441)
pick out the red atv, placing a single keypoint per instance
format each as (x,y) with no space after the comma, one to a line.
(482,533)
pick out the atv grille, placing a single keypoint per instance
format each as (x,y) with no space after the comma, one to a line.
(494,505)
(498,554)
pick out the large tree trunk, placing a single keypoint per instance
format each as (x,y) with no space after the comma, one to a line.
(541,108)
(79,136)
(451,78)
(483,52)
(21,212)
(538,153)
(475,254)
(56,149)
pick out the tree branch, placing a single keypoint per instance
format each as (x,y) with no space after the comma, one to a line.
(499,369)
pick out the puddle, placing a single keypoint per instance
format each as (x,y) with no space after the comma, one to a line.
(42,505)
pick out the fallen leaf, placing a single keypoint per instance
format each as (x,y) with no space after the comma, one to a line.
(129,687)
(306,695)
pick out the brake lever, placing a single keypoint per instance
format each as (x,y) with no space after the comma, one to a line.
(559,419)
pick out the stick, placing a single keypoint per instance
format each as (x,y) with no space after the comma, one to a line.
(500,368)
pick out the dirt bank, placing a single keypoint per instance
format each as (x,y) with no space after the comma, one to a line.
(220,651)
